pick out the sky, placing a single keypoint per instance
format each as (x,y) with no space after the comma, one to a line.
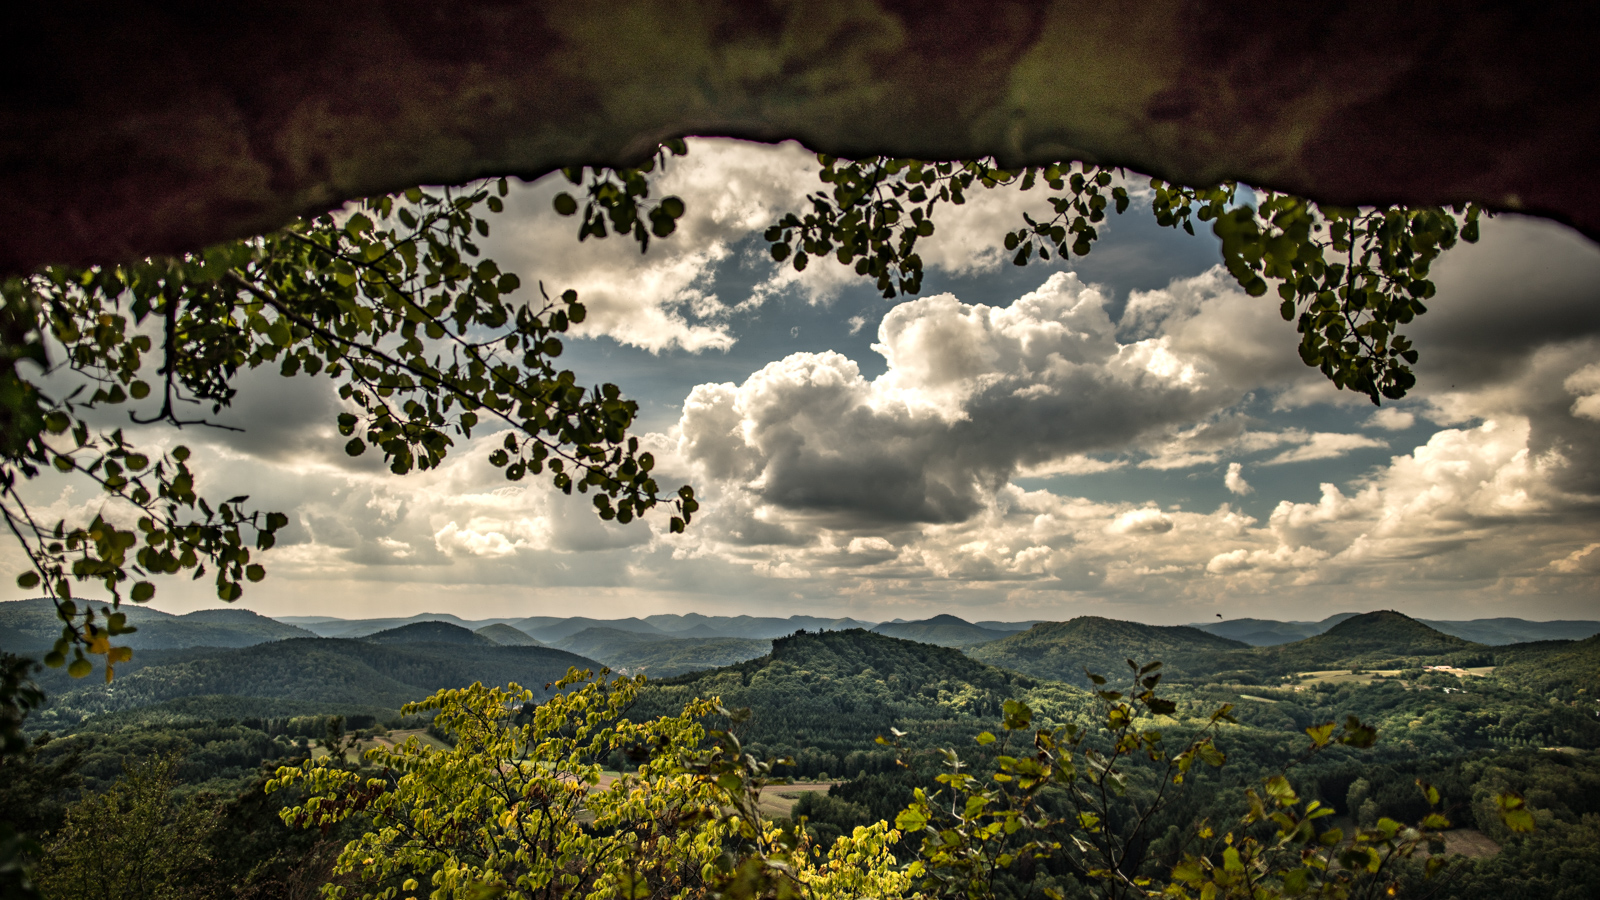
(1125,434)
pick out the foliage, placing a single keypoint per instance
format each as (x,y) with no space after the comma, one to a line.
(1349,278)
(135,841)
(518,806)
(386,300)
(1568,669)
(19,695)
(1439,738)
(503,807)
(973,829)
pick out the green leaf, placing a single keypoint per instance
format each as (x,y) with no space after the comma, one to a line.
(1279,789)
(28,580)
(985,738)
(910,819)
(1321,735)
(142,592)
(1514,812)
(1017,715)
(565,204)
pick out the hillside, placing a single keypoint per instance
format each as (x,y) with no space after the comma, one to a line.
(1566,669)
(675,656)
(31,625)
(430,633)
(1268,632)
(1493,632)
(946,631)
(1506,630)
(600,642)
(1377,639)
(326,671)
(1008,627)
(758,627)
(553,632)
(833,692)
(1062,650)
(658,656)
(324,626)
(506,636)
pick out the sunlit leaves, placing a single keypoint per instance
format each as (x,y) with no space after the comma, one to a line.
(1514,811)
(517,806)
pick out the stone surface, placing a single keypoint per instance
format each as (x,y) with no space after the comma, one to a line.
(133,128)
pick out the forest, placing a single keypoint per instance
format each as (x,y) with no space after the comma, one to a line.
(179,753)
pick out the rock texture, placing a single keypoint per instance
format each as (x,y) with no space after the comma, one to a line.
(132,128)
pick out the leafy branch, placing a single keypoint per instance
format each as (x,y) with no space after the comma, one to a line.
(387,299)
(1349,278)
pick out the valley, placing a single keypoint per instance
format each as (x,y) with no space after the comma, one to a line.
(230,696)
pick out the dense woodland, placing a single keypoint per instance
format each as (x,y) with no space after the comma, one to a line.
(178,748)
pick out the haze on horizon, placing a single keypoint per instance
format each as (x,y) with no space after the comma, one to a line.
(1125,435)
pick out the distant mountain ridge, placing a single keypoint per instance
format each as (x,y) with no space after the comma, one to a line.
(550,629)
(327,671)
(946,631)
(659,656)
(504,634)
(431,633)
(1493,632)
(31,625)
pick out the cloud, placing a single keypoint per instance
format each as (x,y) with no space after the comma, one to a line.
(972,395)
(1234,480)
(1324,445)
(1391,419)
(891,486)
(666,298)
(1585,383)
(1141,521)
(1585,562)
(811,457)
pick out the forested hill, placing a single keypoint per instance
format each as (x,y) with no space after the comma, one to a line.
(31,625)
(1062,650)
(330,671)
(431,633)
(832,692)
(946,631)
(1567,670)
(598,642)
(502,633)
(657,656)
(1373,639)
